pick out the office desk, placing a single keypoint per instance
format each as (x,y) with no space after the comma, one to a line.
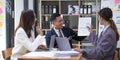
(77,57)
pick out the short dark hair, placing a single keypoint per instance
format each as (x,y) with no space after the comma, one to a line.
(53,16)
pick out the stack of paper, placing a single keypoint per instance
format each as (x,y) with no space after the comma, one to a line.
(41,54)
(53,54)
(67,53)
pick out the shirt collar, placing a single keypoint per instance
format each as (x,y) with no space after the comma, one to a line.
(55,29)
(105,28)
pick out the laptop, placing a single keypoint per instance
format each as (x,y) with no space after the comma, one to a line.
(52,42)
(63,44)
(51,46)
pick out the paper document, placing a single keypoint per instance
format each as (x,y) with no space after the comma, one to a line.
(41,54)
(67,53)
(53,54)
(82,26)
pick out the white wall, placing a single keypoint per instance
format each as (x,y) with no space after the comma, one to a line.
(3,28)
(30,6)
(18,6)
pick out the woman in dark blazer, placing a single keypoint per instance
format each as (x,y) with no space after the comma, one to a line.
(106,42)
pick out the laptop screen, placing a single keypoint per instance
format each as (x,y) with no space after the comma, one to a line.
(52,41)
(63,44)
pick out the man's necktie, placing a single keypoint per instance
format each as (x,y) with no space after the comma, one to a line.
(60,34)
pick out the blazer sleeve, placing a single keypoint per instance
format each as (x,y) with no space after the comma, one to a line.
(48,37)
(104,48)
(25,41)
(93,38)
(74,35)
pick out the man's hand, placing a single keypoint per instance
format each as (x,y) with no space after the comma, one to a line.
(70,38)
(79,50)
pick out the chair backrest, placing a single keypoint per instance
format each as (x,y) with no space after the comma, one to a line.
(116,55)
(7,53)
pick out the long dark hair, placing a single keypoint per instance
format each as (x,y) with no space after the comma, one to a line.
(26,21)
(106,13)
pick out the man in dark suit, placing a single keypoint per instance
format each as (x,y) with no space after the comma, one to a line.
(60,31)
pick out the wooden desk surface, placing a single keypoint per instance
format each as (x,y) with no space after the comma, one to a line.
(46,58)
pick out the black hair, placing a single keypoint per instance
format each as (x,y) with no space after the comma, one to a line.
(26,21)
(53,16)
(106,13)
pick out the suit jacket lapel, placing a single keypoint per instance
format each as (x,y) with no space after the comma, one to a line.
(63,31)
(53,32)
(102,33)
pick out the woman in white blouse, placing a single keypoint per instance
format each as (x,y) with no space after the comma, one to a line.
(24,35)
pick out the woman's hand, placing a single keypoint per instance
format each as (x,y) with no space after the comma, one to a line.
(41,47)
(90,28)
(78,49)
(39,30)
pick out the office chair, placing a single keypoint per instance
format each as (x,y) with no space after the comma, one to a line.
(116,55)
(6,53)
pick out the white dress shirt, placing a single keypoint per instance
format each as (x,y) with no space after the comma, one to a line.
(104,30)
(57,32)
